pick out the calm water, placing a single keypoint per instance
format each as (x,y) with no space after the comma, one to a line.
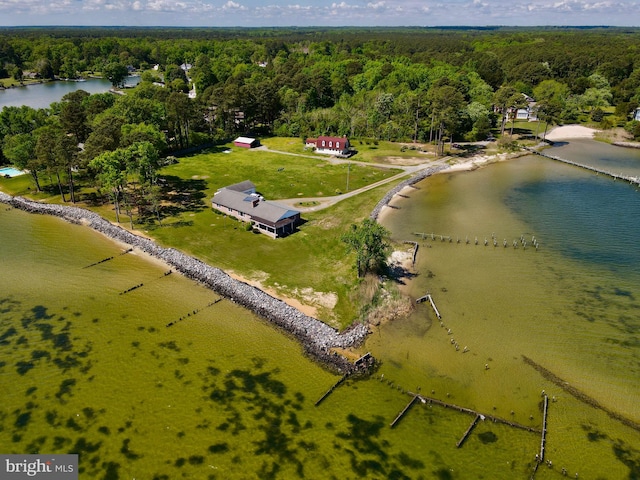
(44,94)
(571,306)
(85,368)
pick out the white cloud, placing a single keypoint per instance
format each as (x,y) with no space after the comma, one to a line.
(321,12)
(231,5)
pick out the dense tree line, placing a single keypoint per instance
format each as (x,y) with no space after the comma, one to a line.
(401,84)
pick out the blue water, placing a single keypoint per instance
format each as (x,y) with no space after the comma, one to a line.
(10,171)
(44,94)
(591,219)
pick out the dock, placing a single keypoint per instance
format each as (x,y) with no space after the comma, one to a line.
(426,297)
(415,250)
(363,359)
(331,389)
(433,236)
(616,176)
(544,428)
(404,410)
(469,411)
(468,432)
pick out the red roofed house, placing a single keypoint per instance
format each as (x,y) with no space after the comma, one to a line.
(330,145)
(246,142)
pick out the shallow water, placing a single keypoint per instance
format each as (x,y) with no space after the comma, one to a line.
(89,369)
(570,306)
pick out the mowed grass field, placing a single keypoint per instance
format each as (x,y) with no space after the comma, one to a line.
(381,152)
(311,265)
(276,175)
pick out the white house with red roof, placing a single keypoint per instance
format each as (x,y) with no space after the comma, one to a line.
(330,145)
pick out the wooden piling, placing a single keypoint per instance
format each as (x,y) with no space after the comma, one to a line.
(468,432)
(363,359)
(98,263)
(433,304)
(426,297)
(404,410)
(331,389)
(615,176)
(194,312)
(415,250)
(544,427)
(473,412)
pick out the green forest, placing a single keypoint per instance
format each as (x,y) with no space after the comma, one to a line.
(396,84)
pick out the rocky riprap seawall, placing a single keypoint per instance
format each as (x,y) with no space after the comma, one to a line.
(626,144)
(316,337)
(421,175)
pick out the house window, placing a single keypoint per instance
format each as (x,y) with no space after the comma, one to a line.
(337,144)
(330,144)
(323,143)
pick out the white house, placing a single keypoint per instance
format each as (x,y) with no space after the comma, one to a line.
(529,112)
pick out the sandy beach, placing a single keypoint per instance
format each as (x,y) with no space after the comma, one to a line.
(564,132)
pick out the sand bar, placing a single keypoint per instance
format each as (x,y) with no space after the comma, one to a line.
(570,131)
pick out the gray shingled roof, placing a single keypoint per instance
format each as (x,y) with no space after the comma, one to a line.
(245,186)
(269,211)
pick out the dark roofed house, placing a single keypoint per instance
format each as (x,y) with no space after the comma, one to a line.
(339,146)
(246,142)
(241,201)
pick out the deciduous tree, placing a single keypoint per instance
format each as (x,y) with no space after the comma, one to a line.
(369,241)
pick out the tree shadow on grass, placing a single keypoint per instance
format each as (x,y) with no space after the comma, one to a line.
(182,195)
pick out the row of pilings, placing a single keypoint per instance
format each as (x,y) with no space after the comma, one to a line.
(616,176)
(317,338)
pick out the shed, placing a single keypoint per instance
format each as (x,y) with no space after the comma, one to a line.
(246,142)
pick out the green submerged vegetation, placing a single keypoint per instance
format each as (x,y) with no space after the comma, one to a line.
(313,258)
(90,370)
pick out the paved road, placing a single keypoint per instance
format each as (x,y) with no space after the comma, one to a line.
(319,203)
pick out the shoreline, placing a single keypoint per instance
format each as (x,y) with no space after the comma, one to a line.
(567,132)
(318,339)
(472,163)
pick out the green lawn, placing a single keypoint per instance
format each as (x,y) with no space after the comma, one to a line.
(367,150)
(313,261)
(276,175)
(313,258)
(382,151)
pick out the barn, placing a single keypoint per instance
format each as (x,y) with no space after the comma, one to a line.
(246,142)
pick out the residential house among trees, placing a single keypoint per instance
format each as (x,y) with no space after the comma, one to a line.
(242,202)
(330,145)
(529,112)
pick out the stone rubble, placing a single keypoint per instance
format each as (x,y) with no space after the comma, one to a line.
(316,337)
(421,175)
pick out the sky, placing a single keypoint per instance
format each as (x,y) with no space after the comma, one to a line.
(256,13)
